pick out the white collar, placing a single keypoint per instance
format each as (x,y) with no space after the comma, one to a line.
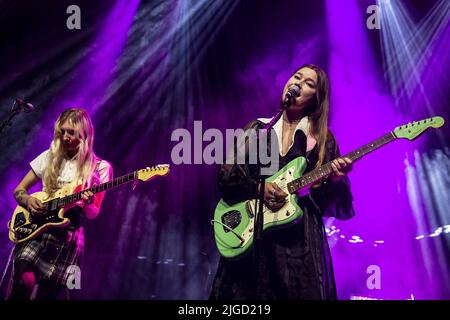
(303,125)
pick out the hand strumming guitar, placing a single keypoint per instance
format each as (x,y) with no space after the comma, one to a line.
(274,197)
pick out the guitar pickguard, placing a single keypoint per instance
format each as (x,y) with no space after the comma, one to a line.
(25,224)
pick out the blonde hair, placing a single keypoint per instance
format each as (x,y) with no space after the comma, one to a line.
(86,159)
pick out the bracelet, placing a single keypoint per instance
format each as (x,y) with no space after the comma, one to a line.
(18,195)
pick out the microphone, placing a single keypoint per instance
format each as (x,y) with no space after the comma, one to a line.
(292,93)
(25,106)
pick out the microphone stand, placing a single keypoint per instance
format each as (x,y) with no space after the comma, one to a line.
(259,203)
(15,110)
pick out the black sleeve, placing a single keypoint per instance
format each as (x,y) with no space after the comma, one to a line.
(334,199)
(238,182)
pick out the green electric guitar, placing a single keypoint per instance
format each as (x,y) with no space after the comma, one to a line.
(233,224)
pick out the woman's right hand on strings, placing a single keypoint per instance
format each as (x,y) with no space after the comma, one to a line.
(274,197)
(35,205)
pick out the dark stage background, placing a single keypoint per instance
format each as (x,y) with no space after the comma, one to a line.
(146,68)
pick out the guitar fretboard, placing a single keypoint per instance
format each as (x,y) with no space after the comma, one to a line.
(98,188)
(325,170)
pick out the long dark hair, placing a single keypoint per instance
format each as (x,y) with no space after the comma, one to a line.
(319,109)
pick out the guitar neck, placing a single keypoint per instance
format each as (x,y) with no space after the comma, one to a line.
(324,171)
(98,188)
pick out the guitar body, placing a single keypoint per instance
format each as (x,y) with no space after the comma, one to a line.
(233,224)
(24,226)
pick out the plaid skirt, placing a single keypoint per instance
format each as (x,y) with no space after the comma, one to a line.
(53,253)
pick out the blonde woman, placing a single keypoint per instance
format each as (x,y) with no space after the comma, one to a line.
(69,160)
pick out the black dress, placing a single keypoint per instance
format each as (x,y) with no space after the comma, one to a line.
(295,261)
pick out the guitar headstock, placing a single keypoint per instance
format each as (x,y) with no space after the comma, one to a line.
(412,130)
(150,172)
